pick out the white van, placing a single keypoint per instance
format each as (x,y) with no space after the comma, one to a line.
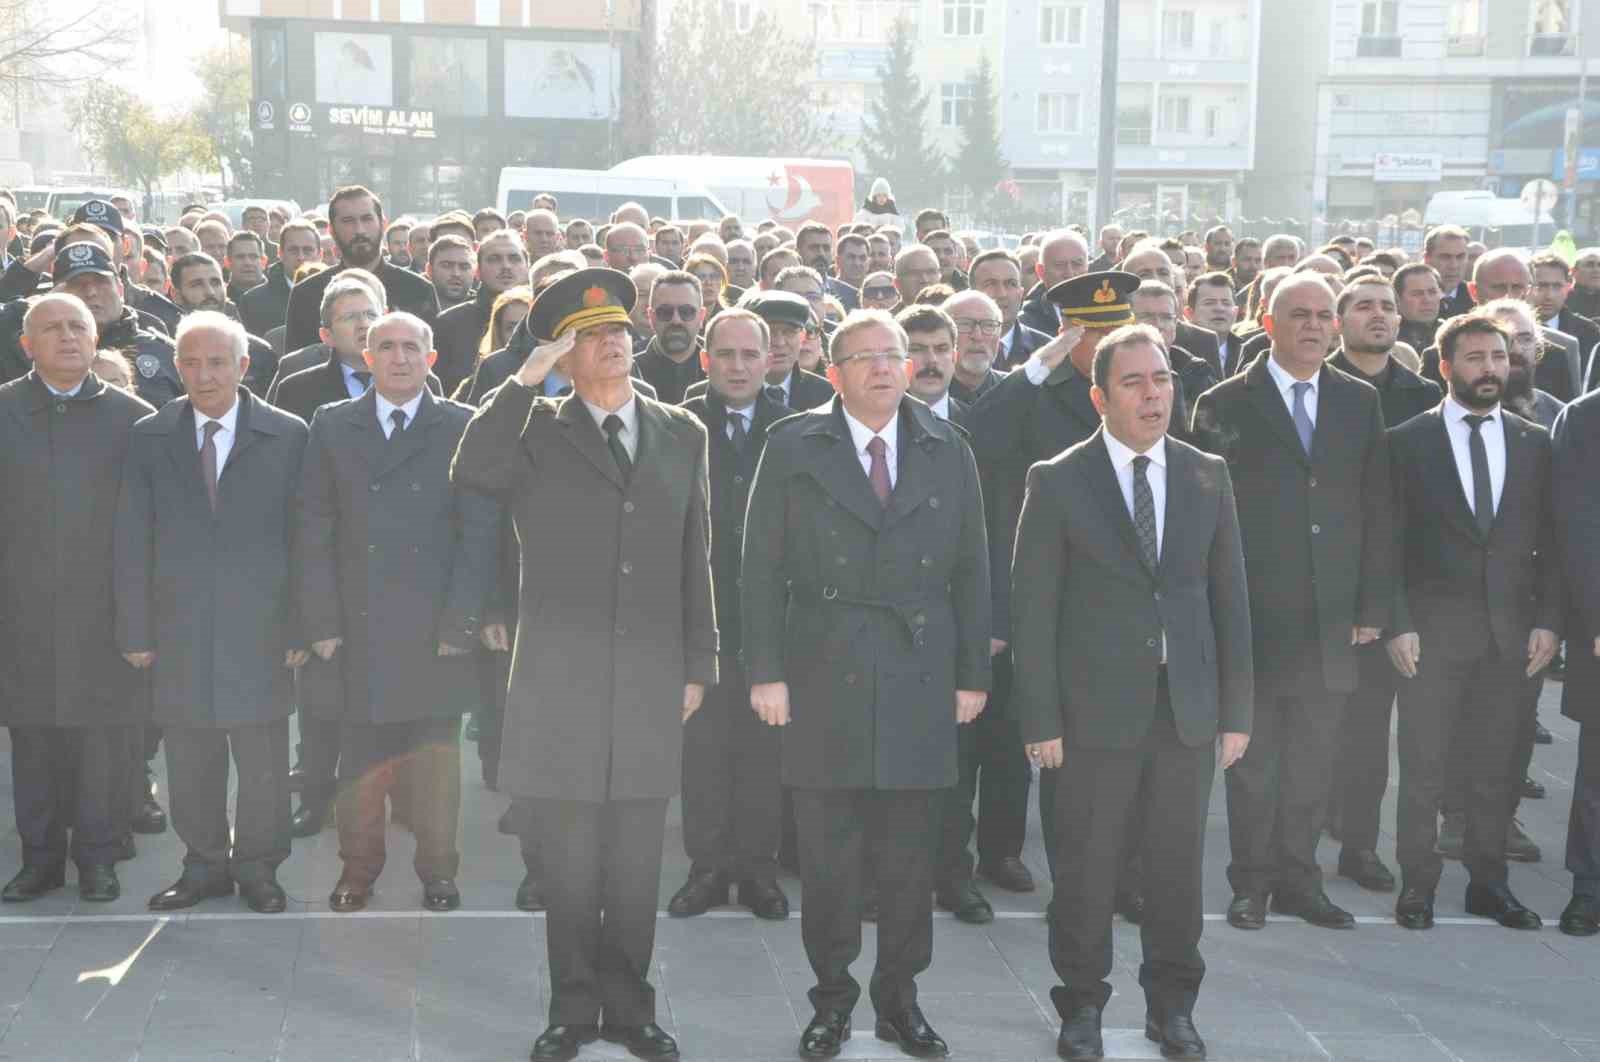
(1498,222)
(594,194)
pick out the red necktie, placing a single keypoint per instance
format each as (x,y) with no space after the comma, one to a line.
(878,474)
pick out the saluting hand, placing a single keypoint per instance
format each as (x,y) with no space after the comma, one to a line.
(693,694)
(771,702)
(495,637)
(140,660)
(446,649)
(543,359)
(969,704)
(1053,353)
(295,658)
(326,648)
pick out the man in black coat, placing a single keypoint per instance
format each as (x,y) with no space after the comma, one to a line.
(65,693)
(203,586)
(356,216)
(1552,287)
(615,645)
(502,264)
(395,566)
(998,274)
(197,284)
(1577,504)
(671,361)
(866,636)
(1136,534)
(1367,324)
(266,306)
(731,794)
(1304,444)
(1476,612)
(1063,254)
(788,317)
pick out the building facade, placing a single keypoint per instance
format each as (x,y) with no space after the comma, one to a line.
(426,100)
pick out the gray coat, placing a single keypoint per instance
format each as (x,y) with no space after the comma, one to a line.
(875,616)
(207,592)
(394,559)
(615,612)
(60,471)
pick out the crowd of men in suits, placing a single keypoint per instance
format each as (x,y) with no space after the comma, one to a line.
(846,536)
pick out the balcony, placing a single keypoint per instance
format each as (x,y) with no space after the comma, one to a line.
(1464,45)
(1552,45)
(1375,47)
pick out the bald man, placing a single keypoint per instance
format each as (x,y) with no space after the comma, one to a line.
(1063,254)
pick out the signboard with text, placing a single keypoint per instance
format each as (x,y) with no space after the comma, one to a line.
(1421,168)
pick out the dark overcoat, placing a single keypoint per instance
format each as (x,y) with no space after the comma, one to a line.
(1576,450)
(60,471)
(874,615)
(394,559)
(621,615)
(207,592)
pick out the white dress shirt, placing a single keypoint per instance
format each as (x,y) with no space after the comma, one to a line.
(223,440)
(1285,384)
(1494,447)
(747,414)
(860,435)
(385,407)
(63,394)
(629,415)
(782,386)
(941,408)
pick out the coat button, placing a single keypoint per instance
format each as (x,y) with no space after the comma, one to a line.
(738,529)
(738,481)
(1158,595)
(627,567)
(1316,529)
(927,561)
(1313,481)
(374,488)
(841,560)
(1150,642)
(621,631)
(933,503)
(926,678)
(627,506)
(416,486)
(61,407)
(372,549)
(919,619)
(850,679)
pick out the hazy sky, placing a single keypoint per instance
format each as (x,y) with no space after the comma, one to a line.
(178,30)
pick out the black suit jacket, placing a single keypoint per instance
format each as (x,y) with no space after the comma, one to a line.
(1039,313)
(1024,341)
(456,336)
(303,393)
(1402,393)
(1587,333)
(807,390)
(1462,592)
(1318,531)
(1078,557)
(1455,303)
(968,395)
(1202,343)
(1576,503)
(669,378)
(405,290)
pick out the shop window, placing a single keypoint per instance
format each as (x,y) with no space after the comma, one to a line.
(450,75)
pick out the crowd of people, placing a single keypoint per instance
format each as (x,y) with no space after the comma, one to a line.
(845,535)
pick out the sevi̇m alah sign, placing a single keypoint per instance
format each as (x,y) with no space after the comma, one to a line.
(383,121)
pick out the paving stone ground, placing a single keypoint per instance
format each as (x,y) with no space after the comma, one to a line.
(85,983)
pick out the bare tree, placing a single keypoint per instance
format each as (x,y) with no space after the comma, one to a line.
(47,47)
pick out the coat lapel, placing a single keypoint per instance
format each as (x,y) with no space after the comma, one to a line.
(839,470)
(1458,505)
(412,441)
(244,434)
(364,412)
(1103,480)
(1519,468)
(584,435)
(1071,393)
(1269,403)
(914,472)
(185,453)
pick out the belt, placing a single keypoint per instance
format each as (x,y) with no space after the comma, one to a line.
(911,610)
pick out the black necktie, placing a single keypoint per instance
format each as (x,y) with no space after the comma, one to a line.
(1144,513)
(619,452)
(1482,489)
(362,378)
(775,392)
(397,418)
(740,435)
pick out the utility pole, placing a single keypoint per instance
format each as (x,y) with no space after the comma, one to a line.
(1574,143)
(1105,170)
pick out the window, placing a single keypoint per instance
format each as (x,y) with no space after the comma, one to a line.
(743,14)
(1175,114)
(1059,112)
(1213,122)
(861,20)
(963,18)
(1133,114)
(1552,28)
(1380,18)
(1177,30)
(1061,24)
(450,75)
(955,103)
(1464,28)
(1221,39)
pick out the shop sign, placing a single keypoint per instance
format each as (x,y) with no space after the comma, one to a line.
(1407,167)
(384,121)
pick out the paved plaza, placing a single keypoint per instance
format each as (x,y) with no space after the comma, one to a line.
(86,983)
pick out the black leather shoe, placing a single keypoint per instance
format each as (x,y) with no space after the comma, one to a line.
(643,1041)
(699,894)
(966,903)
(1520,848)
(1532,790)
(149,818)
(530,895)
(190,890)
(441,894)
(869,904)
(1581,918)
(264,897)
(32,882)
(1010,874)
(1248,910)
(97,883)
(1367,870)
(1541,736)
(1130,905)
(826,1035)
(1315,908)
(560,1043)
(1176,1035)
(1414,909)
(349,895)
(1080,1039)
(912,1032)
(1496,902)
(308,819)
(764,899)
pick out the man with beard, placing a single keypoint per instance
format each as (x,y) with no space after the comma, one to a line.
(1504,274)
(1368,318)
(998,274)
(976,331)
(397,241)
(1585,295)
(501,264)
(1417,294)
(1552,291)
(853,257)
(245,265)
(1480,594)
(1524,352)
(1063,254)
(1219,248)
(742,264)
(264,306)
(1213,306)
(196,284)
(1110,238)
(452,263)
(1246,265)
(357,226)
(671,361)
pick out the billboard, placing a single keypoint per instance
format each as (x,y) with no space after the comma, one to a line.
(355,68)
(561,79)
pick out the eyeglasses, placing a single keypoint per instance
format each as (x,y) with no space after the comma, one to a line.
(356,315)
(684,312)
(875,356)
(885,292)
(966,326)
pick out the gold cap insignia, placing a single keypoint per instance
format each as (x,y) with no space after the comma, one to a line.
(595,296)
(1105,294)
